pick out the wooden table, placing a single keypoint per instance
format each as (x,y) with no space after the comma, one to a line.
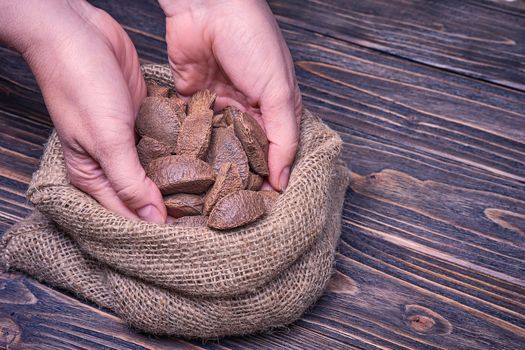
(429,98)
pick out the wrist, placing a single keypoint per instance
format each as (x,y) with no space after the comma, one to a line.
(176,7)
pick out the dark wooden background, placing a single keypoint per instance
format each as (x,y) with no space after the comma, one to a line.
(429,98)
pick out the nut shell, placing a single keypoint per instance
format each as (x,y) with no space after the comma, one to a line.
(225,147)
(195,134)
(201,101)
(228,180)
(179,106)
(183,204)
(236,209)
(253,140)
(219,121)
(254,182)
(269,198)
(149,149)
(180,174)
(230,113)
(157,90)
(158,120)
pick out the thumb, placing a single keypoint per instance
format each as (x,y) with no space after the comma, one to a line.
(128,179)
(280,120)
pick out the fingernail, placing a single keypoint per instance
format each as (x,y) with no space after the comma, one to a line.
(150,213)
(283,179)
(170,220)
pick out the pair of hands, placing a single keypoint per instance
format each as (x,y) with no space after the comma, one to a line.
(89,74)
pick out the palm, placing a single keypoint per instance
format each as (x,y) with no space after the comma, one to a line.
(244,59)
(197,66)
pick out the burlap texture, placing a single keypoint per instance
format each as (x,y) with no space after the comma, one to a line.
(194,282)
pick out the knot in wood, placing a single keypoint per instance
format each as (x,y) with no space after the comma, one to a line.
(422,320)
(421,323)
(9,332)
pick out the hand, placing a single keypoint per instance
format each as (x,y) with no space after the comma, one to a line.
(89,74)
(235,48)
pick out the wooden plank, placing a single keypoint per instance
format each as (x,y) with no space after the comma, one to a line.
(513,7)
(35,316)
(432,246)
(463,37)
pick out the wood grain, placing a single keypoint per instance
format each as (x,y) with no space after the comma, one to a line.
(433,121)
(467,37)
(508,6)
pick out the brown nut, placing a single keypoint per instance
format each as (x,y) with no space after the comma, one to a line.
(157,90)
(179,106)
(180,174)
(183,204)
(269,198)
(236,209)
(219,121)
(228,180)
(194,136)
(201,102)
(252,138)
(254,182)
(158,120)
(192,221)
(149,149)
(230,113)
(225,147)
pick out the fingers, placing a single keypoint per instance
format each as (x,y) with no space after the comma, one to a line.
(87,175)
(280,119)
(115,178)
(127,178)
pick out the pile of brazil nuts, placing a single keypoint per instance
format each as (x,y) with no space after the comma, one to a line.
(209,168)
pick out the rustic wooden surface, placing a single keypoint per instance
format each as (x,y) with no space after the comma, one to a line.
(429,98)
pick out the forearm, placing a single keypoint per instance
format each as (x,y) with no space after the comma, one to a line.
(12,18)
(29,23)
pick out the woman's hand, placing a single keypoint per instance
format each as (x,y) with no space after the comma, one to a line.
(235,48)
(89,74)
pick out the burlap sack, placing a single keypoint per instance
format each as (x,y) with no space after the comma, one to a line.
(193,282)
